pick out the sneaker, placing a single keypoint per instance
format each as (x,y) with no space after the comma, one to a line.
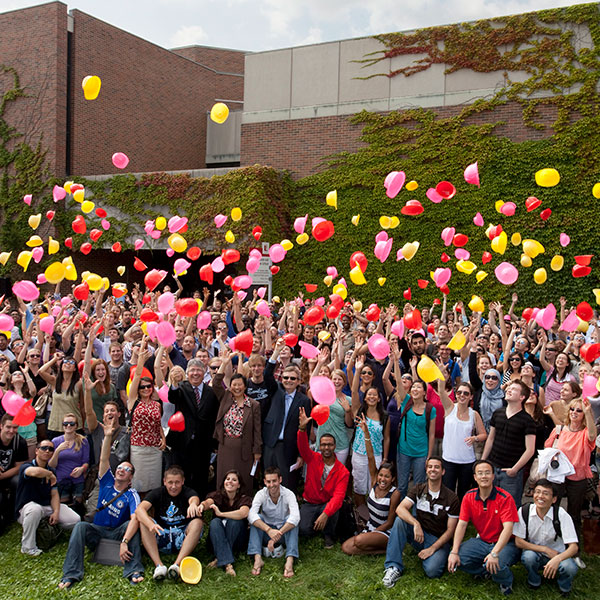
(329,542)
(579,562)
(531,586)
(31,551)
(278,552)
(266,552)
(173,572)
(506,590)
(391,575)
(159,573)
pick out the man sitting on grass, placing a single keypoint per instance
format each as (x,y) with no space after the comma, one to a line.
(274,517)
(175,528)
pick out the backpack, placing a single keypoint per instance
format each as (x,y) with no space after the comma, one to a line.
(555,521)
(407,407)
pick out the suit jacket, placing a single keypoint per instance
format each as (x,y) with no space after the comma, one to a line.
(251,429)
(199,422)
(275,414)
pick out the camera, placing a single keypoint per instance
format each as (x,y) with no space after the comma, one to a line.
(554,464)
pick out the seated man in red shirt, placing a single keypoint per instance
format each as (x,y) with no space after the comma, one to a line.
(493,512)
(324,487)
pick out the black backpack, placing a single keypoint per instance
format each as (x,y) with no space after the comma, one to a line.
(555,521)
(407,407)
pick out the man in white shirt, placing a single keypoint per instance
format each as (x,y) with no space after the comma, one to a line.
(274,516)
(546,535)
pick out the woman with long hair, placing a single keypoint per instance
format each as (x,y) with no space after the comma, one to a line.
(513,370)
(559,409)
(557,373)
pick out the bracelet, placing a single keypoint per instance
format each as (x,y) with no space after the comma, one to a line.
(367,439)
(454,553)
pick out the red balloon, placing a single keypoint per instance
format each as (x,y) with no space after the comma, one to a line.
(494,231)
(444,258)
(148,315)
(186,307)
(193,253)
(86,247)
(584,259)
(373,313)
(407,294)
(274,269)
(290,339)
(206,274)
(431,328)
(95,234)
(313,315)
(76,186)
(320,414)
(244,342)
(25,415)
(358,258)
(228,280)
(532,203)
(412,319)
(581,271)
(230,255)
(78,224)
(332,311)
(590,352)
(310,287)
(177,421)
(146,299)
(69,242)
(545,214)
(138,265)
(486,257)
(412,208)
(445,289)
(50,215)
(584,311)
(116,247)
(423,283)
(257,232)
(323,231)
(527,314)
(81,291)
(460,240)
(337,301)
(445,189)
(152,278)
(101,213)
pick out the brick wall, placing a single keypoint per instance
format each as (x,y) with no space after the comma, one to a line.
(34,42)
(299,145)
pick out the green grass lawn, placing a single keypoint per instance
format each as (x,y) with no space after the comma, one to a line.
(319,574)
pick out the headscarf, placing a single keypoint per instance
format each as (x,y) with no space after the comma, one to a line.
(491,400)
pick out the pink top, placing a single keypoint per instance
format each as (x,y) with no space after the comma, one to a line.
(577,447)
(553,387)
(434,399)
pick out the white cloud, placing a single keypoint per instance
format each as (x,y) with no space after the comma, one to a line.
(188,36)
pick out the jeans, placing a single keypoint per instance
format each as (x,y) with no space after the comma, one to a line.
(458,473)
(473,551)
(227,536)
(309,514)
(405,465)
(402,533)
(89,534)
(535,561)
(259,538)
(512,485)
(32,513)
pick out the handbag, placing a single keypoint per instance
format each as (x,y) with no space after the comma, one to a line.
(47,535)
(41,404)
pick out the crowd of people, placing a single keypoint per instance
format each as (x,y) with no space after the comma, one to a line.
(141,443)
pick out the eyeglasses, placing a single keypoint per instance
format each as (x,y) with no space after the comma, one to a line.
(284,378)
(576,410)
(491,378)
(145,387)
(463,393)
(46,448)
(69,423)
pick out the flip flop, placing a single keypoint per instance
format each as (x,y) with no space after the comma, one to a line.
(256,570)
(136,578)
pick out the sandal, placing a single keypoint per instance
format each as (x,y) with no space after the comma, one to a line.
(230,570)
(256,569)
(136,578)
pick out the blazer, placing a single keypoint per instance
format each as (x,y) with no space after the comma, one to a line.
(251,429)
(199,422)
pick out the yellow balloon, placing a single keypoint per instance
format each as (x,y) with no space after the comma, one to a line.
(411,186)
(229,237)
(458,341)
(53,246)
(409,250)
(67,186)
(480,276)
(178,243)
(87,206)
(91,87)
(476,304)
(236,214)
(302,239)
(55,272)
(4,256)
(287,245)
(357,306)
(331,199)
(34,221)
(324,335)
(160,223)
(381,280)
(385,222)
(532,248)
(466,266)
(596,190)
(34,241)
(328,280)
(357,276)
(24,259)
(355,219)
(427,370)
(499,243)
(121,270)
(526,260)
(79,195)
(583,326)
(68,260)
(515,239)
(557,262)
(498,206)
(540,275)
(547,177)
(94,281)
(394,222)
(105,283)
(595,290)
(340,290)
(219,112)
(84,275)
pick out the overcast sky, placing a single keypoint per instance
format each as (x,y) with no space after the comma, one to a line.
(262,25)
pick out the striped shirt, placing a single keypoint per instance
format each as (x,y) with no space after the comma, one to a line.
(379,508)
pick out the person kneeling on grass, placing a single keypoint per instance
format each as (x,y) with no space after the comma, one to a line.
(175,528)
(273,518)
(114,519)
(547,536)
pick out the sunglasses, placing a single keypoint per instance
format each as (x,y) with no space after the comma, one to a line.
(463,393)
(576,410)
(35,356)
(551,349)
(367,372)
(125,468)
(491,378)
(289,378)
(145,387)
(69,361)
(69,423)
(213,368)
(47,448)
(514,359)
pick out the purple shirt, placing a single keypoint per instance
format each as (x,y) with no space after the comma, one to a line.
(69,459)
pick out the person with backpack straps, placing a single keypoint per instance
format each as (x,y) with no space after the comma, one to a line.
(546,534)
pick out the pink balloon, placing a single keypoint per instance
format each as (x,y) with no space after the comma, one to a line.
(506,273)
(166,302)
(153,234)
(26,290)
(565,240)
(120,160)
(58,193)
(393,183)
(383,249)
(378,346)
(471,174)
(27,199)
(37,253)
(252,265)
(589,386)
(176,223)
(242,295)
(262,308)
(47,325)
(399,255)
(64,302)
(181,265)
(170,252)
(138,244)
(571,323)
(203,320)
(255,253)
(277,253)
(382,236)
(478,220)
(149,227)
(508,209)
(398,328)
(448,235)
(442,276)
(545,317)
(165,333)
(300,224)
(151,329)
(462,254)
(163,392)
(220,220)
(332,272)
(320,301)
(41,279)
(217,265)
(316,220)
(6,322)
(322,390)
(261,292)
(342,281)
(12,402)
(243,282)
(308,350)
(433,195)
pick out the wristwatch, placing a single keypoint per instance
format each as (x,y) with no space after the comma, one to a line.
(124,541)
(494,554)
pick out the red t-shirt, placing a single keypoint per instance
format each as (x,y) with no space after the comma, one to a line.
(489,515)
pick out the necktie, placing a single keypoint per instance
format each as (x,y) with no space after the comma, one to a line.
(197,393)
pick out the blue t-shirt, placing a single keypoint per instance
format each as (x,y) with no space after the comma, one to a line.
(120,510)
(32,489)
(413,439)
